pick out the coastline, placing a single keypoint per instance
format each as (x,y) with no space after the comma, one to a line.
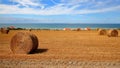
(61,26)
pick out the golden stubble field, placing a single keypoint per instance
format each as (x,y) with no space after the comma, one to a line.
(65,46)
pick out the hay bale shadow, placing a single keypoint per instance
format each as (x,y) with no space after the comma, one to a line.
(39,51)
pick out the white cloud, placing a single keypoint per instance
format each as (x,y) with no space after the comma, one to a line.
(64,7)
(71,2)
(28,3)
(86,11)
(75,1)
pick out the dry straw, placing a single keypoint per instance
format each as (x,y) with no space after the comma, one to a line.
(24,43)
(102,32)
(112,33)
(35,41)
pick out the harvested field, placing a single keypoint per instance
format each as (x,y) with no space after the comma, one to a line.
(72,49)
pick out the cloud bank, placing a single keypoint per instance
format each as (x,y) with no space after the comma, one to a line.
(58,7)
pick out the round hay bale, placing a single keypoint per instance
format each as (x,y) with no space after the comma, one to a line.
(112,33)
(102,32)
(97,29)
(78,29)
(4,30)
(1,29)
(87,28)
(66,29)
(30,29)
(23,43)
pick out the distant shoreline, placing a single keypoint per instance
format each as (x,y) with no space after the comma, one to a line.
(59,26)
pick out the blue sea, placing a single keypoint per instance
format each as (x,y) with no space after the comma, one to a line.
(60,26)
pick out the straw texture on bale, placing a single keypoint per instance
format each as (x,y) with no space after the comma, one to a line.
(35,41)
(24,43)
(4,30)
(112,33)
(102,32)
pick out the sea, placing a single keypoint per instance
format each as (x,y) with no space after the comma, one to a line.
(59,25)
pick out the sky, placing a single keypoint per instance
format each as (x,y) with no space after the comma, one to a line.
(60,11)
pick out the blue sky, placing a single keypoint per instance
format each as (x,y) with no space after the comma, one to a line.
(59,11)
